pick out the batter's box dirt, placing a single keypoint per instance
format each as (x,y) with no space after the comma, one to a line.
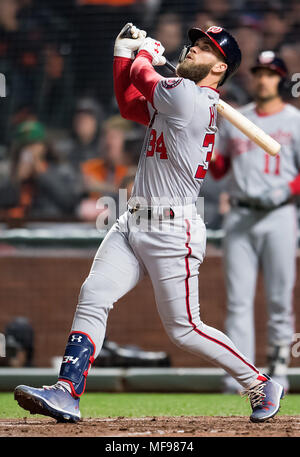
(201,426)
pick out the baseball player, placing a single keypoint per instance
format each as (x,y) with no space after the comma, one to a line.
(181,117)
(261,228)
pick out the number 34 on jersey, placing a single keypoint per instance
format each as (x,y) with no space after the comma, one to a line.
(156,144)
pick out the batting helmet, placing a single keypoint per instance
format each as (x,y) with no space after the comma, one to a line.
(268,59)
(223,41)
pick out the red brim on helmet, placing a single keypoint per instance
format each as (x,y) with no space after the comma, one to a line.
(271,61)
(273,67)
(194,34)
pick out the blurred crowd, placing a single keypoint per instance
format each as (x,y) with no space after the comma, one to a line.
(63,143)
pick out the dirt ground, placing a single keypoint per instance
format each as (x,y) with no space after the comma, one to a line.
(235,426)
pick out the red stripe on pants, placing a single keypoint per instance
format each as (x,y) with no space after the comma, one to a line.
(187,299)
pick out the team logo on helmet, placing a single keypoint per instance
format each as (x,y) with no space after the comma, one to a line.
(214,29)
(266,57)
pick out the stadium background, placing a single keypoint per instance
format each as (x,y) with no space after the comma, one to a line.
(57,61)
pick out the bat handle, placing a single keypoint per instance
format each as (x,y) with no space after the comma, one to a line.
(127,34)
(170,66)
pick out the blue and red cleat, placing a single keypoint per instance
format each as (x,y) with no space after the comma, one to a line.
(54,401)
(265,399)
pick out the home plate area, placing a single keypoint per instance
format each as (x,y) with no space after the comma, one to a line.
(183,426)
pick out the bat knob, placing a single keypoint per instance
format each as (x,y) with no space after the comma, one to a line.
(127,32)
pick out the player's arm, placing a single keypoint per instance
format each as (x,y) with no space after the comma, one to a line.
(295,185)
(143,76)
(132,104)
(219,165)
(174,97)
(278,195)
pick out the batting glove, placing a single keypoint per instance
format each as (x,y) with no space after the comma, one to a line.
(155,49)
(274,197)
(125,47)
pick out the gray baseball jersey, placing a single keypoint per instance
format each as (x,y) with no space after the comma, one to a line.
(179,142)
(263,238)
(254,171)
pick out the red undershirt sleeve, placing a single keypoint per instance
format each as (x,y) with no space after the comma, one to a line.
(143,76)
(219,166)
(295,185)
(132,104)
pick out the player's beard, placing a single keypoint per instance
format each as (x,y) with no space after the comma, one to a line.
(266,98)
(195,72)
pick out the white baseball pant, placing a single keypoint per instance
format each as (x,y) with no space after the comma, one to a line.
(170,254)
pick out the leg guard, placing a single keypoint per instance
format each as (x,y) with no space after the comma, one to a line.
(78,357)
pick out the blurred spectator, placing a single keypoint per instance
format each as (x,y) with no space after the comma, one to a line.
(83,142)
(186,10)
(96,25)
(39,187)
(9,28)
(34,61)
(169,32)
(250,42)
(103,176)
(259,7)
(50,34)
(203,19)
(222,12)
(274,29)
(293,18)
(20,51)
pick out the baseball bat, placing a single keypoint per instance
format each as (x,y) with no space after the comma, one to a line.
(241,122)
(127,34)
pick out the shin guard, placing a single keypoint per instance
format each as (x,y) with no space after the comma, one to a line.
(78,357)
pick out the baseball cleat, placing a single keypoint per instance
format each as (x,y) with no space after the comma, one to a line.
(283,381)
(54,401)
(265,400)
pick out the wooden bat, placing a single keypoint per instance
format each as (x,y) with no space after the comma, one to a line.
(251,130)
(241,122)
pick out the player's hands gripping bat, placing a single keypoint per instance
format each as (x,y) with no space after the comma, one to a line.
(156,49)
(158,58)
(128,41)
